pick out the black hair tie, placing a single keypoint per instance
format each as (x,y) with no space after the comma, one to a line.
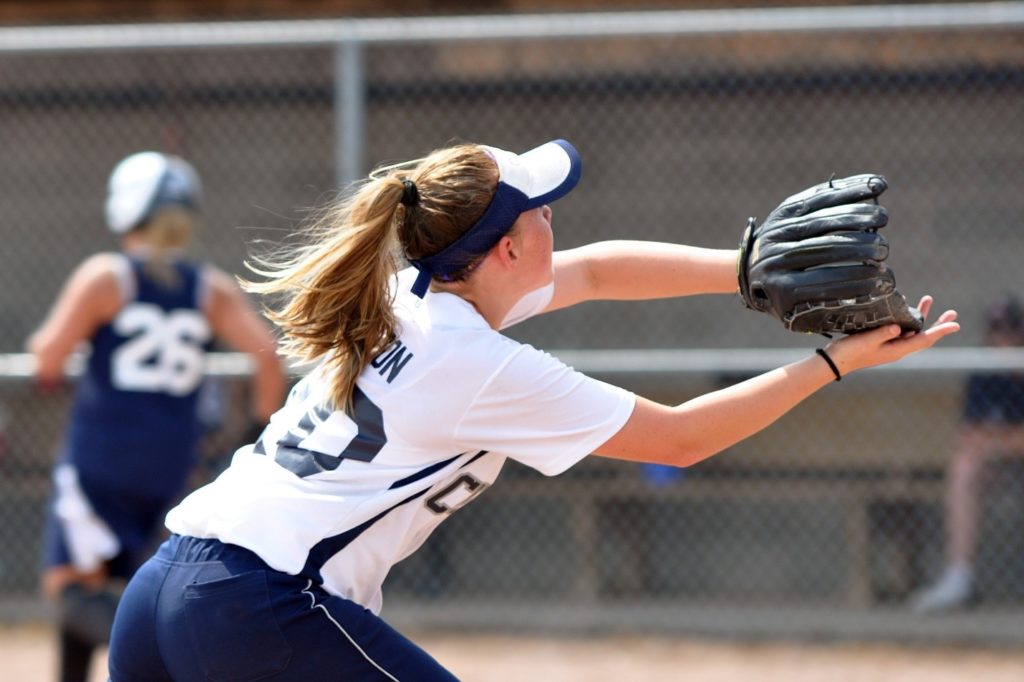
(831,365)
(410,195)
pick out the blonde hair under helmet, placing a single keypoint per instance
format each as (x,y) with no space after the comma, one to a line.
(145,182)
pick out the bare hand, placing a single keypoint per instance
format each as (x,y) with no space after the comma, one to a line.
(887,344)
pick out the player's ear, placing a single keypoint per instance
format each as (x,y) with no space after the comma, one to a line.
(508,251)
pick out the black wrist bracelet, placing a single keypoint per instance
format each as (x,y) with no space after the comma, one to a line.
(831,365)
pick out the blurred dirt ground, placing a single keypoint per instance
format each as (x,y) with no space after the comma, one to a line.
(27,655)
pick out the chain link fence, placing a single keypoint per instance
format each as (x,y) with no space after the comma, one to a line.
(838,511)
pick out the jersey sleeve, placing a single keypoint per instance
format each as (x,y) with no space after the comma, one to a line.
(538,411)
(977,402)
(993,399)
(125,276)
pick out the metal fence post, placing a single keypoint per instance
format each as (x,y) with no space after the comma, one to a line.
(349,111)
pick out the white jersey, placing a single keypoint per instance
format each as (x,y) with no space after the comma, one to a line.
(341,499)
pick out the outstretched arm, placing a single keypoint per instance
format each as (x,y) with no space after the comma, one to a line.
(90,298)
(697,429)
(235,322)
(635,270)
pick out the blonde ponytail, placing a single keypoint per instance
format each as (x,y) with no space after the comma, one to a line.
(168,230)
(336,291)
(338,287)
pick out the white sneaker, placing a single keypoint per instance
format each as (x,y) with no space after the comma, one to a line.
(951,591)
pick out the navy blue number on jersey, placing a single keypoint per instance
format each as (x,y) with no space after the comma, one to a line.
(370,438)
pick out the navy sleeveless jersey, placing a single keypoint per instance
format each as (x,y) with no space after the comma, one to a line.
(134,422)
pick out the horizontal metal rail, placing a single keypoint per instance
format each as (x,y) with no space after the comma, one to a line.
(693,361)
(951,16)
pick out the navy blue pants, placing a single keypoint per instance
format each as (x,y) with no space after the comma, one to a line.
(205,610)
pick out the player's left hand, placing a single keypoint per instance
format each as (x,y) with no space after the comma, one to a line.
(890,343)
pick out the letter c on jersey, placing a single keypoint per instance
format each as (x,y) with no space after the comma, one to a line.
(455,494)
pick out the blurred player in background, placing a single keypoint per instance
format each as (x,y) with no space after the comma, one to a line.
(149,316)
(991,427)
(274,570)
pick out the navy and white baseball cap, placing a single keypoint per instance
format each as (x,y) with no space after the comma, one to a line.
(144,182)
(525,181)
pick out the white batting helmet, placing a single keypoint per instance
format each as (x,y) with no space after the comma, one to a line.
(144,182)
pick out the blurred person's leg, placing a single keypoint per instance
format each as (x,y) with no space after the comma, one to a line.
(955,584)
(92,544)
(963,502)
(70,589)
(85,608)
